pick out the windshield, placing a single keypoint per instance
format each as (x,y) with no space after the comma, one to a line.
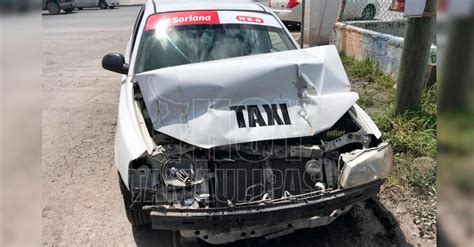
(184,44)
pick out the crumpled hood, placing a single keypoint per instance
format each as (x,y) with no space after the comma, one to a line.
(261,97)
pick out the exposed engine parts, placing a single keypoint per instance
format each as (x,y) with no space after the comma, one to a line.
(185,176)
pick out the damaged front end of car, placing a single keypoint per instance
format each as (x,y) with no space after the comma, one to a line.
(282,148)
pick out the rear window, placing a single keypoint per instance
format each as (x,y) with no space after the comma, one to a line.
(173,39)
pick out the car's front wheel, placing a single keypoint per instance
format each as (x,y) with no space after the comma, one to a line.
(53,8)
(103,5)
(135,215)
(369,12)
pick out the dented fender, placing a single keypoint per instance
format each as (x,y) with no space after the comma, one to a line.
(130,140)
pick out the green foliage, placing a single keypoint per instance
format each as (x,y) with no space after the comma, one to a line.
(366,71)
(429,100)
(367,97)
(407,172)
(412,135)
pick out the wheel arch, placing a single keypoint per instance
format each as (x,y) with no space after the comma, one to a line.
(51,1)
(371,4)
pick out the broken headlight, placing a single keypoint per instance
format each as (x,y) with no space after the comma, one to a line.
(365,166)
(179,172)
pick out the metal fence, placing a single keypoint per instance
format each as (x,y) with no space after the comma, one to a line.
(363,10)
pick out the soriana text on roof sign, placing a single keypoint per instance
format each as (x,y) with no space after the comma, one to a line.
(189,18)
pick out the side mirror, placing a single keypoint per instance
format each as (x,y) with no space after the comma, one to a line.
(115,62)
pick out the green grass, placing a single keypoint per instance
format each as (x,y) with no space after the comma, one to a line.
(373,86)
(368,72)
(412,135)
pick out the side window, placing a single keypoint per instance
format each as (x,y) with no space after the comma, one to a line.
(136,27)
(278,44)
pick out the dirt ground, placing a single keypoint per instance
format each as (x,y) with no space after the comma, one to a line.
(82,204)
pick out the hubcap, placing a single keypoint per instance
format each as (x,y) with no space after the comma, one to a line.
(53,8)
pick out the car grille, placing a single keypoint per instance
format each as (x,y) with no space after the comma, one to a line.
(241,181)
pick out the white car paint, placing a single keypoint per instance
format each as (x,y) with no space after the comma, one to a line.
(132,139)
(129,141)
(309,82)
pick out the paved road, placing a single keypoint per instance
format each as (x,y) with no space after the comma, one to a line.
(82,203)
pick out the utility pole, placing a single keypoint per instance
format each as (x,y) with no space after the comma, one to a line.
(341,10)
(303,10)
(416,51)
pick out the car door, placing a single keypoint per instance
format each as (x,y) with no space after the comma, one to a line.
(93,3)
(87,3)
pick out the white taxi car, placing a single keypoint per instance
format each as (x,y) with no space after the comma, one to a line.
(227,130)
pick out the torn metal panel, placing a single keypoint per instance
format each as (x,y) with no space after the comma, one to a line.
(262,97)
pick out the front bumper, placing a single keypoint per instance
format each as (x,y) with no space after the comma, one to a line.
(267,231)
(269,213)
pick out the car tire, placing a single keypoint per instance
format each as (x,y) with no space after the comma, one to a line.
(112,7)
(136,216)
(53,8)
(79,8)
(369,12)
(103,5)
(292,25)
(68,10)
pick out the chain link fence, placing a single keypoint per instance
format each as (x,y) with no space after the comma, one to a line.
(364,10)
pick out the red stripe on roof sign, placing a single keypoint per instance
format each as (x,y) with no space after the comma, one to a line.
(182,19)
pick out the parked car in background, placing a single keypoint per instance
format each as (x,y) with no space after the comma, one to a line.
(361,9)
(103,4)
(54,6)
(289,11)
